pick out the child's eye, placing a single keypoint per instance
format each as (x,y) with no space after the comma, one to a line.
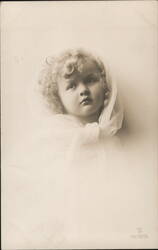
(71,86)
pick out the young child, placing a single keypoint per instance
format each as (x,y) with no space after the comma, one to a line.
(78,88)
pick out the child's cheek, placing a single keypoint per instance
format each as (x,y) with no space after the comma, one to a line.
(72,98)
(98,91)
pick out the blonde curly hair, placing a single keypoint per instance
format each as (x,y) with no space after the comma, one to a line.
(67,62)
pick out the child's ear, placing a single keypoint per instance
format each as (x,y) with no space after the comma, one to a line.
(106,97)
(105,88)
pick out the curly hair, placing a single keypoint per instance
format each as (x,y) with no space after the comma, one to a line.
(66,63)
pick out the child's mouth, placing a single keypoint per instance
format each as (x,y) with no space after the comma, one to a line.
(86,101)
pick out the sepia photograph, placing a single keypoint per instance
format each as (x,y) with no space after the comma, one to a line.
(79,124)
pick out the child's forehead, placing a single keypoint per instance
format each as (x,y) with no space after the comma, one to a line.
(89,66)
(79,67)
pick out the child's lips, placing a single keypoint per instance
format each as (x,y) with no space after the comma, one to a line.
(86,101)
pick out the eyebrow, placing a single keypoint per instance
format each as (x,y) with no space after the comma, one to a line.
(69,80)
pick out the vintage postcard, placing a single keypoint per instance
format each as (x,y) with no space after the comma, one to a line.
(79,124)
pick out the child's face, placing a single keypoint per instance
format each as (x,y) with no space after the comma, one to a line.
(82,93)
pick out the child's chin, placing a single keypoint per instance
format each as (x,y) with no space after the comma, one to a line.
(87,112)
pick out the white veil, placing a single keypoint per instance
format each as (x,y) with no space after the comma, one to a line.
(111,118)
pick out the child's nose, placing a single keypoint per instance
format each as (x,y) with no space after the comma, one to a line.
(83,89)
